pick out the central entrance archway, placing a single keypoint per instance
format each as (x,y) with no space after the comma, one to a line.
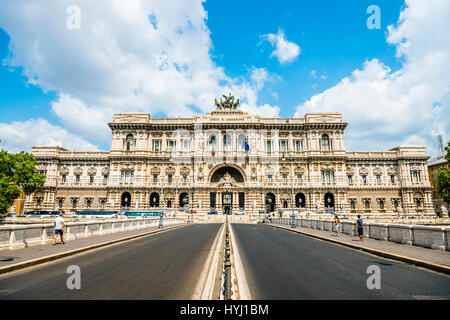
(228,180)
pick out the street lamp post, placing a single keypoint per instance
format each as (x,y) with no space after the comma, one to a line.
(293,224)
(162,194)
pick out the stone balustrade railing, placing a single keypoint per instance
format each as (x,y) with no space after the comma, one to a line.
(434,237)
(20,236)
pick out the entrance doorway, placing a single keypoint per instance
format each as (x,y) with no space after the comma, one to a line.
(126,200)
(270,202)
(227,202)
(329,202)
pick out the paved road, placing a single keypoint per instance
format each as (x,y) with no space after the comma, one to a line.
(161,266)
(283,265)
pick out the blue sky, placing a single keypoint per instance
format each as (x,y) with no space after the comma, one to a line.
(72,81)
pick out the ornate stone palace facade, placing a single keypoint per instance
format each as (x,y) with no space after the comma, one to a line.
(230,160)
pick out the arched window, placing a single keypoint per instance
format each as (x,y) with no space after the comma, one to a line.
(326,145)
(395,204)
(381,205)
(226,143)
(129,143)
(352,205)
(367,205)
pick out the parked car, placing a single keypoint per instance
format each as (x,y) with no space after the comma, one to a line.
(191,211)
(213,211)
(240,212)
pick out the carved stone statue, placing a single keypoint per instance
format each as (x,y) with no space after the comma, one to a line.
(228,103)
(226,181)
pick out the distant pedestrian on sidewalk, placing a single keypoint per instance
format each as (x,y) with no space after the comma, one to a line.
(359,225)
(59,228)
(338,225)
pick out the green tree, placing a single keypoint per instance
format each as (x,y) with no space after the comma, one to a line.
(444,178)
(17,173)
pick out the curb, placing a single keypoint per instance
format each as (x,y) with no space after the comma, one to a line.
(384,254)
(37,261)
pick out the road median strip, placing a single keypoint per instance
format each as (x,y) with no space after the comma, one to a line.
(384,254)
(60,255)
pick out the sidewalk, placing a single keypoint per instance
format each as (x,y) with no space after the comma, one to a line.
(424,257)
(21,258)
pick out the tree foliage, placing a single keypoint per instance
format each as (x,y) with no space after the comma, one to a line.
(17,173)
(444,178)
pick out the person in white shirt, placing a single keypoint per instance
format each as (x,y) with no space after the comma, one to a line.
(59,228)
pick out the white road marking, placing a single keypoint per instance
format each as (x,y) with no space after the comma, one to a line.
(244,291)
(204,289)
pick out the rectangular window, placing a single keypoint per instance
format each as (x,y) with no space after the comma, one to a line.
(103,204)
(186,145)
(284,178)
(212,200)
(184,178)
(64,178)
(77,178)
(169,178)
(105,179)
(171,144)
(91,179)
(392,179)
(378,179)
(298,146)
(364,179)
(268,146)
(299,178)
(127,176)
(155,178)
(241,200)
(157,145)
(283,146)
(269,178)
(327,176)
(350,179)
(415,176)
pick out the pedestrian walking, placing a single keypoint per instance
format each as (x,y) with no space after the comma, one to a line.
(338,225)
(59,228)
(359,225)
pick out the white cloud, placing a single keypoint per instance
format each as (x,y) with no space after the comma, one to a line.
(18,136)
(138,55)
(285,50)
(385,108)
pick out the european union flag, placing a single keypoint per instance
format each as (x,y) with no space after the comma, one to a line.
(245,145)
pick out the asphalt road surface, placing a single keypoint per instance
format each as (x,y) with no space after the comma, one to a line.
(161,266)
(279,264)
